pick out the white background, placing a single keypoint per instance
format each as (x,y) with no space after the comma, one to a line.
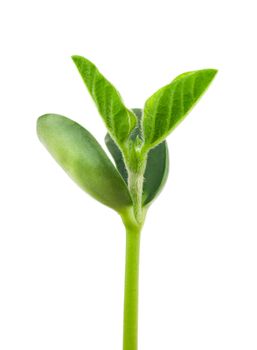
(61,252)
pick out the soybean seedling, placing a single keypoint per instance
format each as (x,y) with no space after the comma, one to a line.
(136,141)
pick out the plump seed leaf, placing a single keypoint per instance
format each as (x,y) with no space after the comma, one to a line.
(156,172)
(81,156)
(169,105)
(157,167)
(117,156)
(118,119)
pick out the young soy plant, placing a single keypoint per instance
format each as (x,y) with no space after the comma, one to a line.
(136,141)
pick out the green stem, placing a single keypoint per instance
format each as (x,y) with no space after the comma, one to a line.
(133,219)
(135,185)
(130,329)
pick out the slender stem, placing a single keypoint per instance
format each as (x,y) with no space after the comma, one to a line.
(135,185)
(130,330)
(133,220)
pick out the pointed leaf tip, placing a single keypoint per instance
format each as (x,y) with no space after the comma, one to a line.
(166,108)
(119,120)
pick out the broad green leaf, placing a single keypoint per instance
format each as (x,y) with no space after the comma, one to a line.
(165,109)
(156,169)
(119,120)
(81,156)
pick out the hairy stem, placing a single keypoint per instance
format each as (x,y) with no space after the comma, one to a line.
(135,185)
(133,220)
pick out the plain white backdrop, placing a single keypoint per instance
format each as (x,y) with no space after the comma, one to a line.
(61,252)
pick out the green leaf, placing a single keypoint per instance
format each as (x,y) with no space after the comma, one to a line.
(81,156)
(165,109)
(157,166)
(119,120)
